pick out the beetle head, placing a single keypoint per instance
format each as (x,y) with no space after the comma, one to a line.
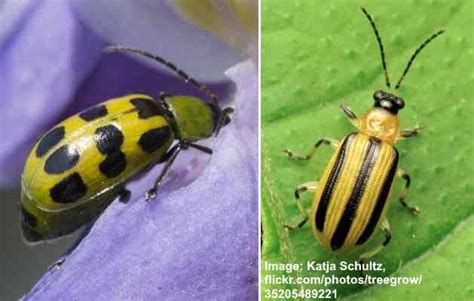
(388,101)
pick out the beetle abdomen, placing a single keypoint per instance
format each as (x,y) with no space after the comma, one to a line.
(353,191)
(38,224)
(74,168)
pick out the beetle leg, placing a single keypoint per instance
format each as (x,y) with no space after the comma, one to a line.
(124,195)
(57,264)
(308,186)
(403,195)
(350,115)
(201,148)
(164,158)
(409,133)
(388,236)
(224,119)
(173,153)
(327,141)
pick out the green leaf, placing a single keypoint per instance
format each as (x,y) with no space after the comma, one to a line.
(318,54)
(441,269)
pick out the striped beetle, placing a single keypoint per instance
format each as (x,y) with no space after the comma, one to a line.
(350,199)
(80,166)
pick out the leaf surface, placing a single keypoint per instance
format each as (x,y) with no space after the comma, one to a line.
(316,55)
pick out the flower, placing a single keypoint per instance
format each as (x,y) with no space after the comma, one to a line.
(198,238)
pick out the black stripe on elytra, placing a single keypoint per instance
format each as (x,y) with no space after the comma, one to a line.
(382,198)
(345,223)
(93,113)
(331,182)
(147,108)
(63,159)
(153,139)
(49,140)
(69,190)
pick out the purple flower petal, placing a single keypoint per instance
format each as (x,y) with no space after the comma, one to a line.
(43,64)
(13,15)
(195,243)
(157,27)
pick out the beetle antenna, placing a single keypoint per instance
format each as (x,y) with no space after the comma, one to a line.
(204,89)
(414,56)
(379,41)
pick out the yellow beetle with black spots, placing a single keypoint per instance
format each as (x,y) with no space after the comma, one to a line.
(81,165)
(351,197)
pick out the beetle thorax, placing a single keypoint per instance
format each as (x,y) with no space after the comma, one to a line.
(381,124)
(194,118)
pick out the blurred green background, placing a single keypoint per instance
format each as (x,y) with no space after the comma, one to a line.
(318,54)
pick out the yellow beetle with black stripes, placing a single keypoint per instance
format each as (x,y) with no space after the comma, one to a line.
(82,164)
(351,197)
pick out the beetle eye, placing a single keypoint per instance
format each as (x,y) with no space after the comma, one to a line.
(400,103)
(378,95)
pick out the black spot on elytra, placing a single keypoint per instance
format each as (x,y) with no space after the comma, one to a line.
(113,165)
(153,139)
(108,139)
(69,190)
(146,108)
(49,140)
(64,158)
(28,218)
(93,113)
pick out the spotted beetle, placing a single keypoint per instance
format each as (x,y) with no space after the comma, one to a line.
(81,165)
(351,196)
